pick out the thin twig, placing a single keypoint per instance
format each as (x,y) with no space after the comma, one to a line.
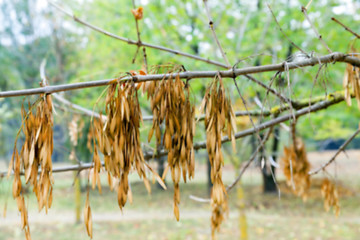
(242,32)
(334,57)
(86,111)
(252,158)
(304,11)
(341,148)
(293,137)
(275,110)
(273,91)
(211,25)
(308,5)
(315,80)
(346,28)
(289,87)
(139,41)
(244,103)
(282,31)
(263,34)
(132,42)
(314,108)
(202,145)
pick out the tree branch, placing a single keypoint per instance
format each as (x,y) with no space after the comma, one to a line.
(132,42)
(211,25)
(269,89)
(345,27)
(333,57)
(341,148)
(331,100)
(282,31)
(252,158)
(139,41)
(304,11)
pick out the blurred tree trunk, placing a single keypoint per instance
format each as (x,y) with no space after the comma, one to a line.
(268,171)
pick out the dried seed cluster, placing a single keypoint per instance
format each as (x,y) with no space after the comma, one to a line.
(88,217)
(18,195)
(170,103)
(219,117)
(75,127)
(352,80)
(330,195)
(296,168)
(36,152)
(119,140)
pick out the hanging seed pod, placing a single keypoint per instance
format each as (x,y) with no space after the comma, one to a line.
(35,153)
(75,127)
(296,167)
(119,140)
(219,118)
(330,195)
(217,217)
(170,103)
(88,217)
(352,81)
(37,150)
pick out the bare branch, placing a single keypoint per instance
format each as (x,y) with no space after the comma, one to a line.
(273,91)
(345,27)
(86,111)
(308,5)
(132,42)
(139,41)
(333,99)
(90,113)
(265,113)
(330,100)
(211,25)
(304,11)
(281,30)
(334,57)
(252,158)
(341,148)
(263,34)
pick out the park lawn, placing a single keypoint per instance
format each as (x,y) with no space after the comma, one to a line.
(150,216)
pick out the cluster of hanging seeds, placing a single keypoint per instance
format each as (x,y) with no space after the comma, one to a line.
(170,103)
(352,80)
(119,140)
(88,217)
(330,195)
(219,117)
(17,194)
(35,153)
(75,127)
(296,168)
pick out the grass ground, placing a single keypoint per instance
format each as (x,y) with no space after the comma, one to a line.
(150,216)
